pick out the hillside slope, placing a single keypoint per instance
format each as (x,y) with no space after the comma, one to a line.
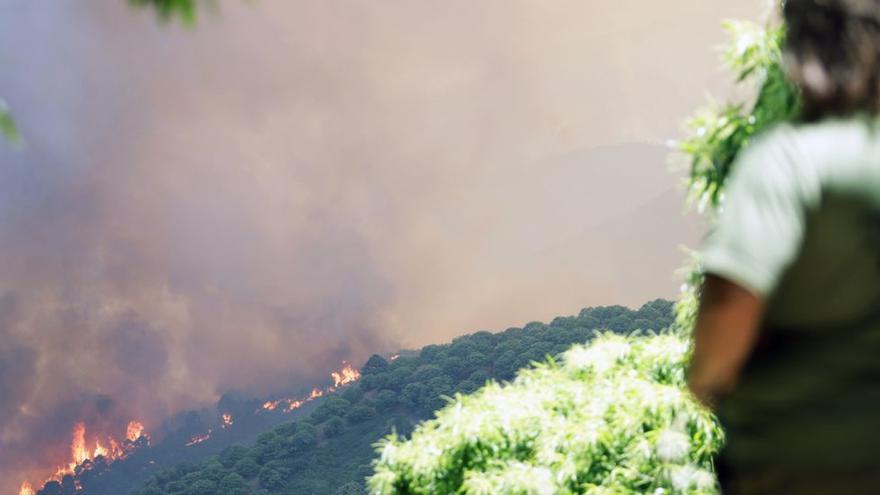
(331,451)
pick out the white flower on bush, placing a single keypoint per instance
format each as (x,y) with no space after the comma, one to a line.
(601,356)
(684,478)
(672,445)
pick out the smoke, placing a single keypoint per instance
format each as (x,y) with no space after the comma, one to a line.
(291,184)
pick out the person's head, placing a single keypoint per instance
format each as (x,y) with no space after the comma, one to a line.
(832,52)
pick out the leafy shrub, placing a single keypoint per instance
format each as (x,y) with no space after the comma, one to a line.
(360,413)
(611,418)
(333,427)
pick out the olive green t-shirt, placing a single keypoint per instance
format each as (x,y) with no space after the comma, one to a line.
(800,227)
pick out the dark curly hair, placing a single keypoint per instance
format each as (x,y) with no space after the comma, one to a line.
(832,53)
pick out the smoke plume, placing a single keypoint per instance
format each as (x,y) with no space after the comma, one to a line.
(244,204)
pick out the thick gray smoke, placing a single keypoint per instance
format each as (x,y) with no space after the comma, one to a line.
(294,183)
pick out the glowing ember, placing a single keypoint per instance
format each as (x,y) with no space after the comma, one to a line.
(271,405)
(316,392)
(226,418)
(26,489)
(134,431)
(198,439)
(345,376)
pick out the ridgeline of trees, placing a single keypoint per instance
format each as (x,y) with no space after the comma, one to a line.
(332,451)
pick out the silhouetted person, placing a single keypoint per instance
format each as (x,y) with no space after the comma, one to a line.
(787,340)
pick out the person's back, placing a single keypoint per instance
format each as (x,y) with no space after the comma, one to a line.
(803,226)
(787,344)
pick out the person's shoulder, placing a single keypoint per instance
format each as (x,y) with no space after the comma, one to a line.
(832,140)
(771,152)
(803,159)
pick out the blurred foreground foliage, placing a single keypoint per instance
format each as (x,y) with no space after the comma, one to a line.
(7,124)
(614,416)
(184,10)
(717,133)
(611,418)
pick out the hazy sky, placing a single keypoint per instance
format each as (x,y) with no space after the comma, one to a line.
(294,183)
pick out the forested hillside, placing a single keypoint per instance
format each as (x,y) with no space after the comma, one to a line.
(331,451)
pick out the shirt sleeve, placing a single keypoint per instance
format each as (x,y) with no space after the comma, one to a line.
(761,223)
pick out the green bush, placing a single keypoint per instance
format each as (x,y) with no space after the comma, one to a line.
(611,418)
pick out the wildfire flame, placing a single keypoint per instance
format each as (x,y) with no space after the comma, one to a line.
(134,431)
(226,418)
(345,376)
(293,404)
(198,439)
(395,357)
(81,455)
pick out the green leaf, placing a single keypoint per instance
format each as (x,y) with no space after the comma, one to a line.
(7,125)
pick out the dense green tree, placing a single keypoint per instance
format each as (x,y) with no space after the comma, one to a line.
(350,488)
(232,455)
(333,406)
(360,413)
(386,400)
(247,467)
(333,427)
(272,479)
(375,365)
(202,487)
(233,484)
(303,440)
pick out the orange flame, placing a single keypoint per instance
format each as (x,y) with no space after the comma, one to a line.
(26,489)
(198,439)
(78,451)
(345,376)
(134,431)
(99,449)
(227,420)
(293,404)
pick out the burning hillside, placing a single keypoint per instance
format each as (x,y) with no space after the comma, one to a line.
(341,377)
(90,449)
(345,376)
(85,451)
